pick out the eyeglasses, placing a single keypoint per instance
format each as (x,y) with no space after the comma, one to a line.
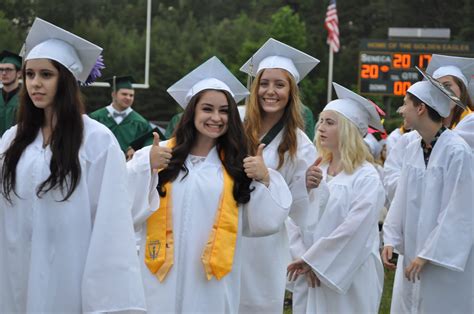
(6,70)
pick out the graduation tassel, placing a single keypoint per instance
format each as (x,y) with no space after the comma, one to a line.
(249,80)
(114,85)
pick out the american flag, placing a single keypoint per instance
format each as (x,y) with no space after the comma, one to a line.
(332,25)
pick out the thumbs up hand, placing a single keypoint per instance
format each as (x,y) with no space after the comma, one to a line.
(255,168)
(159,156)
(314,175)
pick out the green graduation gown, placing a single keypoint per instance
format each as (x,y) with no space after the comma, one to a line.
(309,122)
(172,124)
(7,112)
(131,128)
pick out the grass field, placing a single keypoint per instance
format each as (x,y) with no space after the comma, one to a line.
(386,296)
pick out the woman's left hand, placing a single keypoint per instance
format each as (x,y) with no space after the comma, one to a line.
(130,153)
(255,168)
(300,267)
(414,269)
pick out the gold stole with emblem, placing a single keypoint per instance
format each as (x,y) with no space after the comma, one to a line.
(218,255)
(463,115)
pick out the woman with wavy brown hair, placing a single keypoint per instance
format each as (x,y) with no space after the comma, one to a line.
(205,201)
(273,121)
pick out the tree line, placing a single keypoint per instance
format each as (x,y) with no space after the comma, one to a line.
(185,33)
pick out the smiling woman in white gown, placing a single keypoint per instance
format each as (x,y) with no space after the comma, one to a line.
(273,117)
(194,264)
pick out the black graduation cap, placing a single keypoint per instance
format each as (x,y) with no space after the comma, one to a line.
(118,82)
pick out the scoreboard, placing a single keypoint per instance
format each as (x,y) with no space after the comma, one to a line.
(388,67)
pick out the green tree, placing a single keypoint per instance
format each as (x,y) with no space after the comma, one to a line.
(10,38)
(287,27)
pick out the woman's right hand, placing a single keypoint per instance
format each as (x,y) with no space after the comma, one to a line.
(159,155)
(314,175)
(255,168)
(387,254)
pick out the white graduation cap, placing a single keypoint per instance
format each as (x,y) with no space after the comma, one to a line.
(212,74)
(460,67)
(48,41)
(431,96)
(356,108)
(435,94)
(277,55)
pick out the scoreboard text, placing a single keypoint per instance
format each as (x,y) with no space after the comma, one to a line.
(393,72)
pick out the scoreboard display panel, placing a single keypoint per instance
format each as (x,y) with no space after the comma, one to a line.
(388,67)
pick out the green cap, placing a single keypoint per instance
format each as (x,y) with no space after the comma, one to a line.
(10,57)
(118,82)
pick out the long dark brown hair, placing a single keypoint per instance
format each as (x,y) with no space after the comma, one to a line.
(66,138)
(465,99)
(232,145)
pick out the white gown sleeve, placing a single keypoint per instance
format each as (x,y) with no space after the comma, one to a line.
(111,280)
(301,237)
(295,238)
(268,208)
(450,242)
(142,184)
(465,129)
(300,208)
(393,223)
(393,167)
(336,258)
(7,138)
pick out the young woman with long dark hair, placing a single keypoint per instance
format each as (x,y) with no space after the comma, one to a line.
(192,224)
(66,230)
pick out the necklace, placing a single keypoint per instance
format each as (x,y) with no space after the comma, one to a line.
(334,170)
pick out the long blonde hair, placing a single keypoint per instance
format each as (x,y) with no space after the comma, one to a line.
(354,152)
(292,117)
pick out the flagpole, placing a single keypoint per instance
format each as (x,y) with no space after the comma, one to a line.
(331,54)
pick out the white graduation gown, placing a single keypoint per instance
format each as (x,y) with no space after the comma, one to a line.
(392,139)
(74,256)
(392,169)
(301,239)
(195,200)
(344,245)
(465,129)
(431,216)
(266,258)
(393,165)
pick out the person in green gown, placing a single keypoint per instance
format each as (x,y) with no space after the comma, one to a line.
(10,66)
(126,124)
(309,122)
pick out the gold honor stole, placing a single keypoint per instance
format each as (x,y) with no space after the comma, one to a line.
(463,115)
(218,255)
